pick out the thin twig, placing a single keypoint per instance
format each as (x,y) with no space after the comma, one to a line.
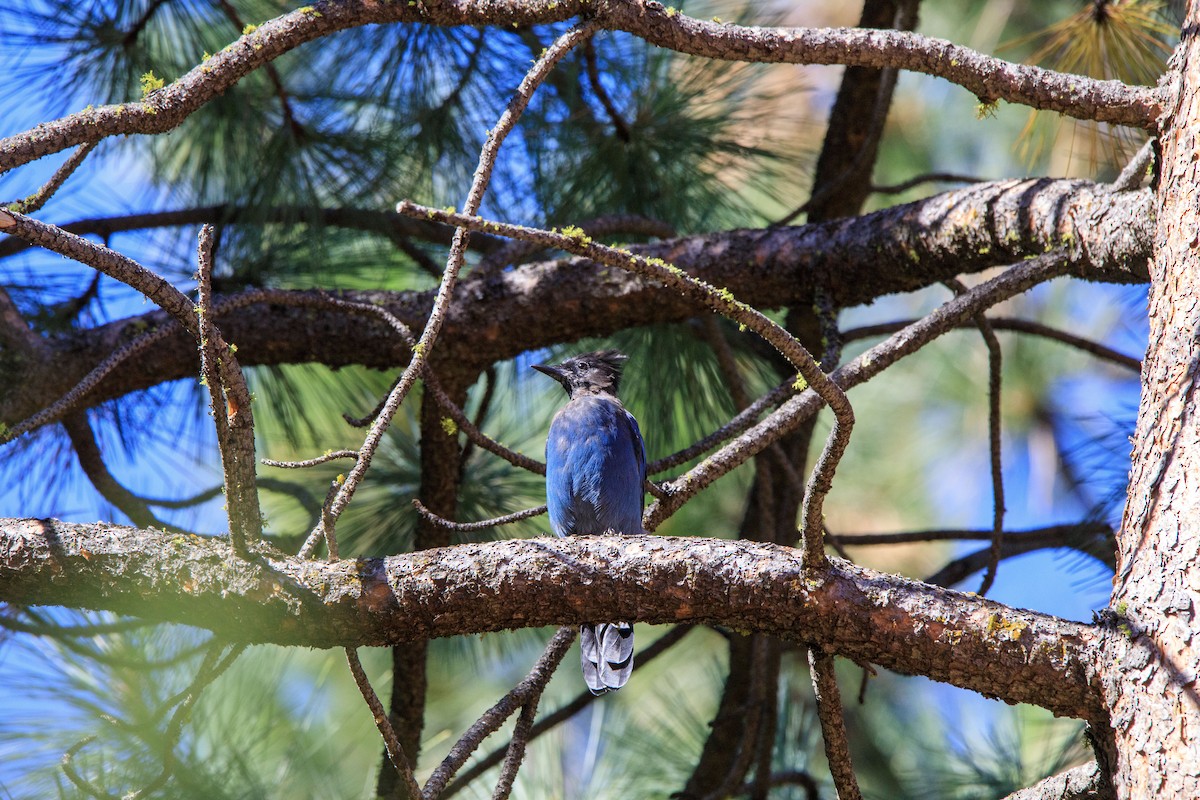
(833,726)
(186,502)
(388,224)
(863,157)
(931,177)
(995,355)
(581,701)
(481,414)
(391,742)
(593,72)
(516,751)
(212,667)
(726,362)
(740,422)
(831,336)
(607,225)
(1051,534)
(1017,325)
(289,115)
(35,201)
(113,264)
(812,789)
(87,630)
(732,375)
(332,455)
(528,689)
(1095,540)
(480,525)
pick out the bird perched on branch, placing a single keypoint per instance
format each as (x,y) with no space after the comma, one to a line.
(595,468)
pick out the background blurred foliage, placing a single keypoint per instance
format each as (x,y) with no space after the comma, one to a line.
(369,116)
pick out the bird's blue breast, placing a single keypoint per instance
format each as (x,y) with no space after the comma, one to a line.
(595,465)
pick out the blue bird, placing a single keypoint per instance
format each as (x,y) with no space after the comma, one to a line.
(595,468)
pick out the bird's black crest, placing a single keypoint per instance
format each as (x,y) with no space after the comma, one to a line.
(589,372)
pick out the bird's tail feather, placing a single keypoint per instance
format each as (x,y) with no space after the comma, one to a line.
(607,655)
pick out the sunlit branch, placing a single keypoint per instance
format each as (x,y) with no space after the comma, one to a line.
(325,458)
(39,198)
(1134,172)
(476,587)
(607,225)
(1085,782)
(989,78)
(932,233)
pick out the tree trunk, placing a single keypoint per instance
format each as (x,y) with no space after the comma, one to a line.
(439,490)
(1152,653)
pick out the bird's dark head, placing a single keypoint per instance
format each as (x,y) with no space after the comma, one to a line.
(589,373)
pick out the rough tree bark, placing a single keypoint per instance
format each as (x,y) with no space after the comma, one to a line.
(1151,655)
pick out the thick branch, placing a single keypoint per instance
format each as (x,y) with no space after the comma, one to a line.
(847,610)
(498,316)
(987,77)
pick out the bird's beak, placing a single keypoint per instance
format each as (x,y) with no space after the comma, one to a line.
(552,371)
(555,372)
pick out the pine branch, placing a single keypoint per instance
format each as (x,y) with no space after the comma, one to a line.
(903,248)
(989,78)
(847,610)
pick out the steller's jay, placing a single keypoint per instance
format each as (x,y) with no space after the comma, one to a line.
(595,467)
